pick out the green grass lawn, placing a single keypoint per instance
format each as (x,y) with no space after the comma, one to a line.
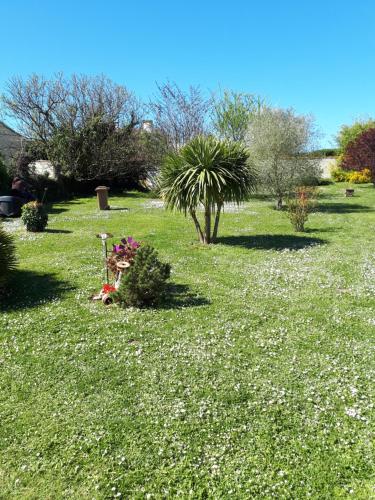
(256,378)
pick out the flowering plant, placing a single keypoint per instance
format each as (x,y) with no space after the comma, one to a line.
(300,206)
(125,251)
(126,245)
(107,288)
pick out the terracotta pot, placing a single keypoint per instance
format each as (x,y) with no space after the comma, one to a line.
(107,299)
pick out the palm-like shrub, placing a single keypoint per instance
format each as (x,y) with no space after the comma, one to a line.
(206,173)
(7,257)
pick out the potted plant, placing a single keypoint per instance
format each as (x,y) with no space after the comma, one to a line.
(34,216)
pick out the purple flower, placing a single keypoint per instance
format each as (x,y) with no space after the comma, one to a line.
(126,245)
(118,248)
(132,242)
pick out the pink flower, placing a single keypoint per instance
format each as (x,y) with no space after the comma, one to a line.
(118,248)
(133,243)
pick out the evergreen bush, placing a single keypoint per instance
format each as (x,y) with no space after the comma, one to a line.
(145,281)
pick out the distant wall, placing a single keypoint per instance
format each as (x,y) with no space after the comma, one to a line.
(326,164)
(44,167)
(10,142)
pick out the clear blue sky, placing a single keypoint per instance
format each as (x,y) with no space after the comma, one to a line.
(316,56)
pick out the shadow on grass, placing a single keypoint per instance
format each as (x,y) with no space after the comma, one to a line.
(271,241)
(28,289)
(56,210)
(63,206)
(342,208)
(134,194)
(58,231)
(179,296)
(323,230)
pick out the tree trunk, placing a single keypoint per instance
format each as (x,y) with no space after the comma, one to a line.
(279,203)
(207,224)
(217,220)
(197,226)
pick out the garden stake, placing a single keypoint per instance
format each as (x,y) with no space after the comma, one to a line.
(44,195)
(104,237)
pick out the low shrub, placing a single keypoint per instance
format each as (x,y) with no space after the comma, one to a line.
(339,175)
(300,206)
(361,177)
(145,281)
(4,177)
(323,153)
(8,259)
(325,182)
(34,216)
(56,189)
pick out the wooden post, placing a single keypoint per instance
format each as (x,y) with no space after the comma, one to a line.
(102,196)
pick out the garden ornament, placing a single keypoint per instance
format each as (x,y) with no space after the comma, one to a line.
(121,266)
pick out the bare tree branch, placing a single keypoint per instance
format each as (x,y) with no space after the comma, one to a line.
(180,115)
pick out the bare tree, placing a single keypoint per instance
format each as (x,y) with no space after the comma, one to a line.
(87,126)
(33,104)
(41,106)
(278,140)
(180,115)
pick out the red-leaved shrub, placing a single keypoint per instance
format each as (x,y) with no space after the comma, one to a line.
(360,153)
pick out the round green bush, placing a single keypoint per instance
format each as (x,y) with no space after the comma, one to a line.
(34,216)
(8,259)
